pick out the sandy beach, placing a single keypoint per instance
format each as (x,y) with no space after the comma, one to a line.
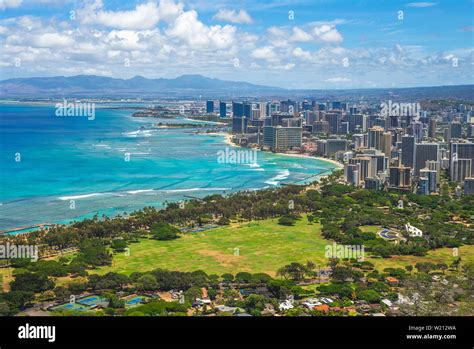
(206,121)
(334,162)
(227,137)
(228,140)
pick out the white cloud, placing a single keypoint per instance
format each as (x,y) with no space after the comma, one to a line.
(29,22)
(9,4)
(300,35)
(277,37)
(287,66)
(127,40)
(421,4)
(334,22)
(241,17)
(41,40)
(338,79)
(300,53)
(169,10)
(171,42)
(190,30)
(449,56)
(266,53)
(3,30)
(275,31)
(327,33)
(52,40)
(144,16)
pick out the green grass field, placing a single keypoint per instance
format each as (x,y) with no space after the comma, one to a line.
(370,228)
(441,255)
(262,246)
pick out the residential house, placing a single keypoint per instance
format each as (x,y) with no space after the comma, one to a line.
(391,281)
(323,308)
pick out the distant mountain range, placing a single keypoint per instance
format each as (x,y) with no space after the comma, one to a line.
(92,85)
(197,85)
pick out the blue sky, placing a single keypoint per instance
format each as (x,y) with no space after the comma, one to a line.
(293,44)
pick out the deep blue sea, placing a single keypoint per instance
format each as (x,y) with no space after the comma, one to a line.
(57,169)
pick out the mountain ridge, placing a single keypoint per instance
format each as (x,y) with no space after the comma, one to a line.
(137,84)
(193,85)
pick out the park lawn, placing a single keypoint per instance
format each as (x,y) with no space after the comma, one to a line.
(5,279)
(440,255)
(64,280)
(259,246)
(370,228)
(313,287)
(262,246)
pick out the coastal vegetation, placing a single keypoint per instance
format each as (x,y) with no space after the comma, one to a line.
(273,239)
(263,247)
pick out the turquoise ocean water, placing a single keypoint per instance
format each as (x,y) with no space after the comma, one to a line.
(57,169)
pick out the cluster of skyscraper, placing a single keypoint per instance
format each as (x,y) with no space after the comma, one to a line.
(413,151)
(274,125)
(395,145)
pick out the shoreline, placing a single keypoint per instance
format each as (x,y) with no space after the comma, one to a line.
(227,137)
(206,121)
(228,140)
(334,162)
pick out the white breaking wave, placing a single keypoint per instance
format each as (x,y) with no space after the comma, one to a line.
(76,197)
(133,192)
(195,189)
(131,133)
(138,133)
(252,164)
(106,146)
(138,191)
(280,177)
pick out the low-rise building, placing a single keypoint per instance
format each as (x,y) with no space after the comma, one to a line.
(413,231)
(391,281)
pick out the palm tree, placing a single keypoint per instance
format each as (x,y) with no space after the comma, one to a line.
(310,266)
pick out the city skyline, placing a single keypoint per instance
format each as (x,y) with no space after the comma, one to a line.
(294,44)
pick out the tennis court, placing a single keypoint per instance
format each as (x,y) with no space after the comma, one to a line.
(90,301)
(70,306)
(131,301)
